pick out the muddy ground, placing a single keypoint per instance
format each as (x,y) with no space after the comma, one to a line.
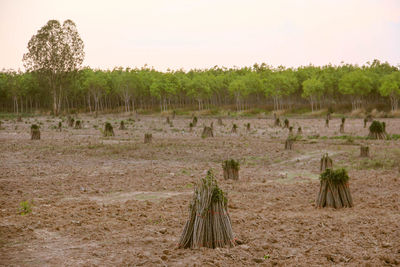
(116,201)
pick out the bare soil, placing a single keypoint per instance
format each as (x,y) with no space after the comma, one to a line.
(115,201)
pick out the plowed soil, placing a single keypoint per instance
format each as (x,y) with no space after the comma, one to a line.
(116,201)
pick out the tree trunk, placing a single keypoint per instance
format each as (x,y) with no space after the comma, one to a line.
(54,102)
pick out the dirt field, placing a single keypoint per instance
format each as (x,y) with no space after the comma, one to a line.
(119,202)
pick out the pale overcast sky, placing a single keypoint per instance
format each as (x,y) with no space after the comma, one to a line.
(200,34)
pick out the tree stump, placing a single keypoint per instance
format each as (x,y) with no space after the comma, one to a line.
(220,122)
(122,125)
(234,128)
(194,121)
(286,123)
(299,131)
(231,169)
(326,163)
(334,190)
(59,128)
(289,144)
(327,123)
(70,122)
(341,129)
(277,122)
(35,132)
(209,223)
(364,151)
(108,130)
(377,130)
(78,124)
(207,132)
(148,138)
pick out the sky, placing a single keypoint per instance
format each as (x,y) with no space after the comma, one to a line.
(189,34)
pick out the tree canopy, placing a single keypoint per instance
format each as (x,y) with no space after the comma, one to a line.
(390,86)
(55,53)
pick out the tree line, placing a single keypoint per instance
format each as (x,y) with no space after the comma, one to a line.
(54,80)
(93,90)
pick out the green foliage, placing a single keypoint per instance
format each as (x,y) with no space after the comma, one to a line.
(390,86)
(335,176)
(55,53)
(349,139)
(108,130)
(313,89)
(377,127)
(230,164)
(217,194)
(316,136)
(35,127)
(145,89)
(355,83)
(25,207)
(395,136)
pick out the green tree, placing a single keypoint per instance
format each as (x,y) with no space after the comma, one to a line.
(96,84)
(158,89)
(124,82)
(55,52)
(238,89)
(391,87)
(10,83)
(313,90)
(199,88)
(281,83)
(356,84)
